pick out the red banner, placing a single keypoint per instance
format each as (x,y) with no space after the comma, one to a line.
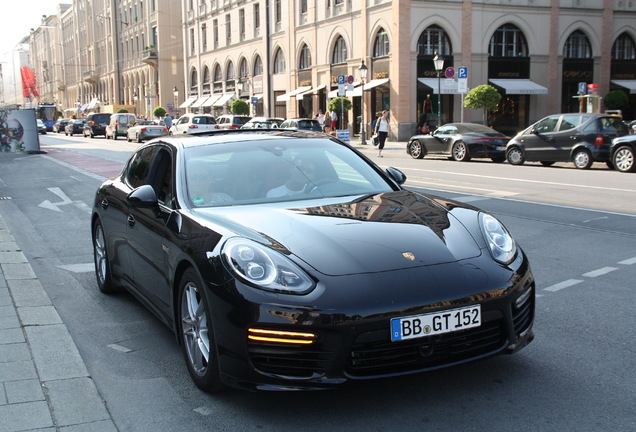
(28,82)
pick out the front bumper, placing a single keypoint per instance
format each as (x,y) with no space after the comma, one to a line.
(353,339)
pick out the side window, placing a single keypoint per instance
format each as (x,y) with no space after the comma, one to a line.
(138,168)
(547,125)
(570,122)
(162,178)
(183,119)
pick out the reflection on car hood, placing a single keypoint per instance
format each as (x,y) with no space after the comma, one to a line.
(376,233)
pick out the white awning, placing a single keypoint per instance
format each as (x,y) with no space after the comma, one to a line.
(211,100)
(258,96)
(287,96)
(200,101)
(375,83)
(628,84)
(188,102)
(520,86)
(442,84)
(314,90)
(93,103)
(224,99)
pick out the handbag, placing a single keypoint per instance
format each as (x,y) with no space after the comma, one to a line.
(375,140)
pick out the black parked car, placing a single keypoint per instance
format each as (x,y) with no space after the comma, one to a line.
(581,138)
(59,125)
(288,260)
(96,124)
(623,153)
(460,141)
(74,126)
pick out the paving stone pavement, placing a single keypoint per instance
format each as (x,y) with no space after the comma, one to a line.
(44,383)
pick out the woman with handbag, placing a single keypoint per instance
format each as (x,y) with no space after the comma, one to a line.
(381,131)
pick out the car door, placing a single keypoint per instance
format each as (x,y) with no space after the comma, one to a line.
(149,234)
(566,137)
(539,143)
(441,140)
(182,124)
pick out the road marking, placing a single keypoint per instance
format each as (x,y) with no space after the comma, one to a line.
(118,347)
(629,261)
(562,285)
(599,272)
(56,205)
(79,268)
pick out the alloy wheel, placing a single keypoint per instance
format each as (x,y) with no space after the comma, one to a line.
(624,159)
(194,327)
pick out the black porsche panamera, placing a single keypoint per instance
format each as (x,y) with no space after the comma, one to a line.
(289,260)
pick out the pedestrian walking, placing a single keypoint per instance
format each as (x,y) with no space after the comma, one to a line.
(167,121)
(382,130)
(334,120)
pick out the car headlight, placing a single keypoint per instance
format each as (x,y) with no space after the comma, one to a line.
(501,245)
(265,268)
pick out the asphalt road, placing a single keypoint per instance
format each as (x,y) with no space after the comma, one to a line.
(578,228)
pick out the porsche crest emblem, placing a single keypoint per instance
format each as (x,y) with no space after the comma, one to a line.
(408,255)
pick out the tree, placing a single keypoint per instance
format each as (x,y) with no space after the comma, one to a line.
(159,112)
(122,110)
(341,105)
(240,107)
(484,97)
(616,99)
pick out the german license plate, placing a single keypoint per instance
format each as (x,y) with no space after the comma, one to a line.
(500,148)
(435,323)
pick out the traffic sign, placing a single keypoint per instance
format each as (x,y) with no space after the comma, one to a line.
(254,100)
(462,72)
(350,79)
(450,72)
(341,79)
(582,88)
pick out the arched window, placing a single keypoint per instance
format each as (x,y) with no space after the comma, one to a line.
(243,71)
(304,61)
(230,72)
(217,74)
(577,46)
(434,40)
(279,62)
(623,48)
(381,45)
(194,80)
(206,79)
(339,51)
(508,41)
(258,66)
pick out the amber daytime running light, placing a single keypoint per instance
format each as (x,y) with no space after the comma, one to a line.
(277,336)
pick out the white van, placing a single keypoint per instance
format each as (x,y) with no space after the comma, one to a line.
(119,124)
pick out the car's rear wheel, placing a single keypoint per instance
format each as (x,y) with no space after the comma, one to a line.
(460,152)
(416,150)
(547,163)
(102,265)
(582,159)
(196,334)
(128,138)
(515,156)
(139,140)
(624,159)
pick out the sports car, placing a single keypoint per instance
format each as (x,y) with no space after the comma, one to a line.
(461,142)
(288,260)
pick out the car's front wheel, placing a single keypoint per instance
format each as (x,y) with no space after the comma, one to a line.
(460,152)
(515,156)
(624,159)
(196,334)
(416,150)
(102,265)
(139,140)
(582,159)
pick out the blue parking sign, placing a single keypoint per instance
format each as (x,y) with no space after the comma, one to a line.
(341,79)
(582,88)
(462,72)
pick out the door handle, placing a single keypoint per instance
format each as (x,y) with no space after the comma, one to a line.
(131,221)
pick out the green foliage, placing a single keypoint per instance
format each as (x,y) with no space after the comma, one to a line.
(122,110)
(336,104)
(159,112)
(616,99)
(484,97)
(240,107)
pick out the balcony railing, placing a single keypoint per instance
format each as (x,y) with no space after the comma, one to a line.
(89,76)
(149,56)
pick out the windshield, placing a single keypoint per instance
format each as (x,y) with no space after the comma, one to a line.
(276,170)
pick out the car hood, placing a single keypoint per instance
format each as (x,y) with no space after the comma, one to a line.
(377,233)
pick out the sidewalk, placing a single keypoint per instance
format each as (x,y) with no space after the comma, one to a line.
(44,383)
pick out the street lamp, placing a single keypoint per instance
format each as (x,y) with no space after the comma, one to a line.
(363,69)
(439,65)
(175,92)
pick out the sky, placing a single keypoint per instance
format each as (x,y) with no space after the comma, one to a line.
(18,19)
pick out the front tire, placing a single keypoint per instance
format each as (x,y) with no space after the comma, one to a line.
(196,334)
(139,140)
(624,159)
(416,150)
(460,152)
(515,156)
(102,264)
(582,159)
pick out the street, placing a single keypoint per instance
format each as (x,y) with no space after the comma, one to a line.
(577,227)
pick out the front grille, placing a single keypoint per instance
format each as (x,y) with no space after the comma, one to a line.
(293,361)
(378,357)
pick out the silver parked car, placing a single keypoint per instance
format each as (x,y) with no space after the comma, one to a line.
(145,130)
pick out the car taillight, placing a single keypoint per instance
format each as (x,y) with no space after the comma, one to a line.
(599,140)
(143,128)
(233,127)
(193,127)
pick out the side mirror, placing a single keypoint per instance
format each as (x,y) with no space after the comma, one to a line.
(398,176)
(143,197)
